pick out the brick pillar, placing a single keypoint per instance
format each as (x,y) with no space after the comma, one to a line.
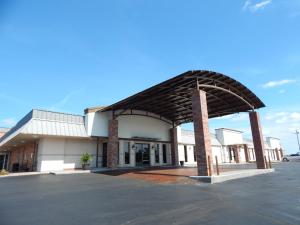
(281,152)
(202,135)
(113,144)
(258,140)
(174,146)
(246,150)
(236,154)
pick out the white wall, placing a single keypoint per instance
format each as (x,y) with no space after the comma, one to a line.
(216,151)
(229,137)
(273,143)
(57,154)
(129,126)
(96,123)
(141,126)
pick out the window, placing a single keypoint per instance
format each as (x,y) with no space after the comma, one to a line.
(185,154)
(127,152)
(164,148)
(195,156)
(157,154)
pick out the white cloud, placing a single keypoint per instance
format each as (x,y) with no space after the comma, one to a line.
(234,117)
(8,122)
(253,7)
(277,83)
(282,91)
(60,105)
(247,4)
(283,117)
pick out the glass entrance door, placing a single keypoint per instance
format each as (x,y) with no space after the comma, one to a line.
(142,154)
(104,155)
(3,161)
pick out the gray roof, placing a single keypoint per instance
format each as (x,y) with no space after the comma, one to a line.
(42,122)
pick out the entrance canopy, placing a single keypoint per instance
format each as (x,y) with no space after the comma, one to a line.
(172,99)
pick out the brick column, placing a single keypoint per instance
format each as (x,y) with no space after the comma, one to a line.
(246,150)
(258,140)
(174,146)
(113,144)
(236,154)
(281,152)
(202,135)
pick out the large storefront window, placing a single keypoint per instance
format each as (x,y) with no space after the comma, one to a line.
(164,153)
(127,152)
(157,154)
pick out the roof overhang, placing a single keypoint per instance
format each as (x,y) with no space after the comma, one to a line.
(172,99)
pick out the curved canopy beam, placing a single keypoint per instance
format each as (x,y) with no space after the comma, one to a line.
(172,99)
(227,91)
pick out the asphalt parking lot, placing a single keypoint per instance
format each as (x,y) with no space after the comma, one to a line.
(102,199)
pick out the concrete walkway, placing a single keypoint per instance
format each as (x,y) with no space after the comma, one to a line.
(232,175)
(65,172)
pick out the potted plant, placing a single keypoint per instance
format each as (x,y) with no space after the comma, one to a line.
(86,159)
(3,172)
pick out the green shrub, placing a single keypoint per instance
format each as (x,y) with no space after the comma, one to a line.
(86,158)
(3,172)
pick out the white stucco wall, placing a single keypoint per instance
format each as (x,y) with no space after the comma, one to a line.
(57,154)
(128,126)
(96,123)
(216,151)
(273,142)
(229,137)
(141,126)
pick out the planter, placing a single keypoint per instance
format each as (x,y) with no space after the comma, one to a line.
(85,166)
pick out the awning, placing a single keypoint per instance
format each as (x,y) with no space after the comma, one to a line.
(172,99)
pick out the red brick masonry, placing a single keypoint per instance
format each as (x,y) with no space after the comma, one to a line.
(258,140)
(113,144)
(246,152)
(202,135)
(174,146)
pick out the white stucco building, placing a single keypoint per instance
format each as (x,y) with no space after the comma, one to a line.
(144,130)
(54,141)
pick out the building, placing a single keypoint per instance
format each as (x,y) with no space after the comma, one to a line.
(228,146)
(143,130)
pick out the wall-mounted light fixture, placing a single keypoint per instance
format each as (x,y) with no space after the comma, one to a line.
(133,147)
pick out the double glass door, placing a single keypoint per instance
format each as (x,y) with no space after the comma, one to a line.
(3,161)
(142,154)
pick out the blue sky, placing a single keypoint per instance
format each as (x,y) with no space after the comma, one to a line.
(69,55)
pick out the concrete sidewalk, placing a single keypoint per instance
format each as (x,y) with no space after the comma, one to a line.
(65,172)
(231,175)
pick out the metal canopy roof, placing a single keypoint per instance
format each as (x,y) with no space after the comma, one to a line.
(172,99)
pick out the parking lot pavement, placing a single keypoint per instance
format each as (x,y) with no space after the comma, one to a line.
(101,199)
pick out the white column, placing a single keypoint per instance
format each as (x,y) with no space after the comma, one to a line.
(160,154)
(132,154)
(152,154)
(121,153)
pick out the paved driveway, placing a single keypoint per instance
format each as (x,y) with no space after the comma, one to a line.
(101,199)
